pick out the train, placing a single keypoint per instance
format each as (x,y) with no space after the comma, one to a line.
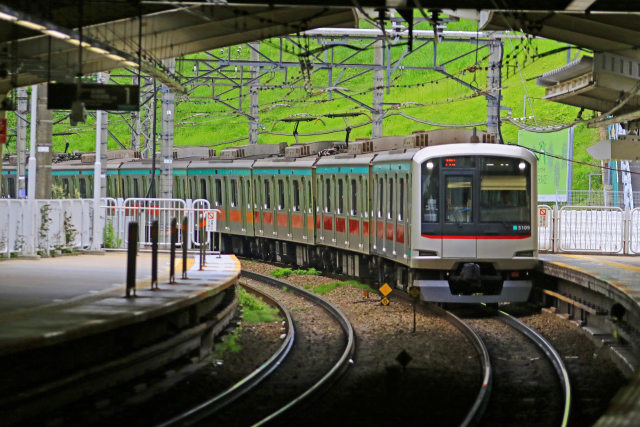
(448,211)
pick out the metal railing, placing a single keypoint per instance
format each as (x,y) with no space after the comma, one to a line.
(593,229)
(119,213)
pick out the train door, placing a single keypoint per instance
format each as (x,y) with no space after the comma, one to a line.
(378,214)
(268,207)
(258,203)
(391,222)
(297,210)
(281,215)
(308,203)
(341,232)
(354,227)
(242,203)
(329,219)
(402,212)
(458,228)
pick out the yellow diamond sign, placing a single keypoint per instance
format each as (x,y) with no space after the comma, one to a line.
(385,289)
(385,301)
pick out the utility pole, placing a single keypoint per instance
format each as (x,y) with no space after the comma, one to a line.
(102,130)
(21,141)
(254,100)
(378,82)
(493,87)
(135,122)
(44,127)
(168,112)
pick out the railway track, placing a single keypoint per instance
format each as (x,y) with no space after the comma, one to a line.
(276,387)
(526,382)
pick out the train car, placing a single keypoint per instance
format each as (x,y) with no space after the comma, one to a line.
(9,181)
(445,211)
(474,231)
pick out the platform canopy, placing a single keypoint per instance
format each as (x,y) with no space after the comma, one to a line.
(43,40)
(58,40)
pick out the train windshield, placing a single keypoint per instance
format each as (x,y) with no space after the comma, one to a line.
(476,194)
(504,195)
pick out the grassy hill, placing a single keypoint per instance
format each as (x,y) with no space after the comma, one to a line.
(425,95)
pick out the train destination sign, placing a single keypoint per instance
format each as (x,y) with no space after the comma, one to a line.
(94,96)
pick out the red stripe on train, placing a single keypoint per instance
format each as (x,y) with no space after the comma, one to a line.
(478,237)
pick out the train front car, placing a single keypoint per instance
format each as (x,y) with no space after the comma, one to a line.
(476,234)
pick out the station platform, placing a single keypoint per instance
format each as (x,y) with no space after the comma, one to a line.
(45,301)
(617,278)
(67,330)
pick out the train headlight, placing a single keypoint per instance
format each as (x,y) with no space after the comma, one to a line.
(429,165)
(522,166)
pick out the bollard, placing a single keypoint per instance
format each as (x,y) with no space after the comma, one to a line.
(202,246)
(172,260)
(185,232)
(154,255)
(132,251)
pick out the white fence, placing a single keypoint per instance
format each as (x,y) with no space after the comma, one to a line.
(119,213)
(594,229)
(41,226)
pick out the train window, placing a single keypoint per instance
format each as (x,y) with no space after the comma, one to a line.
(136,190)
(365,199)
(354,197)
(327,195)
(458,196)
(218,200)
(430,191)
(504,190)
(234,193)
(340,196)
(380,196)
(391,205)
(83,187)
(65,186)
(11,184)
(203,188)
(267,195)
(281,194)
(401,199)
(296,195)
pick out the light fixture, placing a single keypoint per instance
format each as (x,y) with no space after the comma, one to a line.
(57,34)
(429,165)
(115,57)
(522,165)
(98,50)
(30,25)
(77,43)
(7,17)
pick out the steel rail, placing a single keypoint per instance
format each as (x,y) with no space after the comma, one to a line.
(338,368)
(479,406)
(551,353)
(243,386)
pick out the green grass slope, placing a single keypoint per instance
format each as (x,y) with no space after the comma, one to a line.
(426,95)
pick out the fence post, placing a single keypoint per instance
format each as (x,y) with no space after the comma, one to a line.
(172,258)
(202,245)
(185,239)
(626,231)
(154,254)
(555,229)
(132,251)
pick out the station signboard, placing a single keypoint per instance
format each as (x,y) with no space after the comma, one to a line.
(94,96)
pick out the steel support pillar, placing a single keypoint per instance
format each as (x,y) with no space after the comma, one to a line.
(102,128)
(21,141)
(149,110)
(378,89)
(44,127)
(135,123)
(254,100)
(168,112)
(493,88)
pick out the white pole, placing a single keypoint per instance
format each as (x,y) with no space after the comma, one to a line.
(30,229)
(96,242)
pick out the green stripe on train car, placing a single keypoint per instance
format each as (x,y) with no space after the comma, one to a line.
(392,167)
(354,170)
(266,171)
(232,172)
(9,172)
(91,172)
(179,171)
(327,170)
(65,172)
